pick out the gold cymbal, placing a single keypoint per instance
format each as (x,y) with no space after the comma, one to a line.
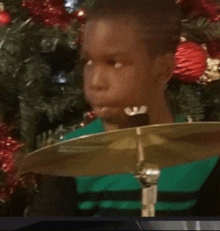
(116,152)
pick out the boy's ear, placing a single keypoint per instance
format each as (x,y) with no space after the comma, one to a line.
(163,68)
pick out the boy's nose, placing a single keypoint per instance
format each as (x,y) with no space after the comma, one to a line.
(99,82)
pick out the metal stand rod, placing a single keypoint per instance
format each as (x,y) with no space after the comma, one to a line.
(148,178)
(149,199)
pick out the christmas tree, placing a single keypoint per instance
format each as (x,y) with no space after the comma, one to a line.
(40,76)
(40,83)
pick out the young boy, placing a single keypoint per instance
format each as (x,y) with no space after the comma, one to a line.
(128,55)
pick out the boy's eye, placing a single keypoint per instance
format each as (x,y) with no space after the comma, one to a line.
(115,64)
(88,62)
(118,65)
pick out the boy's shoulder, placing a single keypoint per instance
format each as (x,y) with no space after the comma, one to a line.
(94,127)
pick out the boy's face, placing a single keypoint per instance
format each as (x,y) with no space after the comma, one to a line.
(118,72)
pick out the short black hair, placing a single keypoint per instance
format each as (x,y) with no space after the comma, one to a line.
(159,21)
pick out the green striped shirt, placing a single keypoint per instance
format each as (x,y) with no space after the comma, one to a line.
(120,195)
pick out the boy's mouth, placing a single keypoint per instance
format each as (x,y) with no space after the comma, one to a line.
(110,111)
(106,111)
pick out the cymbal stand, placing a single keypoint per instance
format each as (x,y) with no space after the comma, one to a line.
(148,177)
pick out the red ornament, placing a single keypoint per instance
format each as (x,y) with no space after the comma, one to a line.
(211,10)
(7,147)
(5,17)
(213,49)
(190,62)
(50,12)
(8,180)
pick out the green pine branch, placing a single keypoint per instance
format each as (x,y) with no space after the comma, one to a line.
(201,30)
(186,100)
(27,89)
